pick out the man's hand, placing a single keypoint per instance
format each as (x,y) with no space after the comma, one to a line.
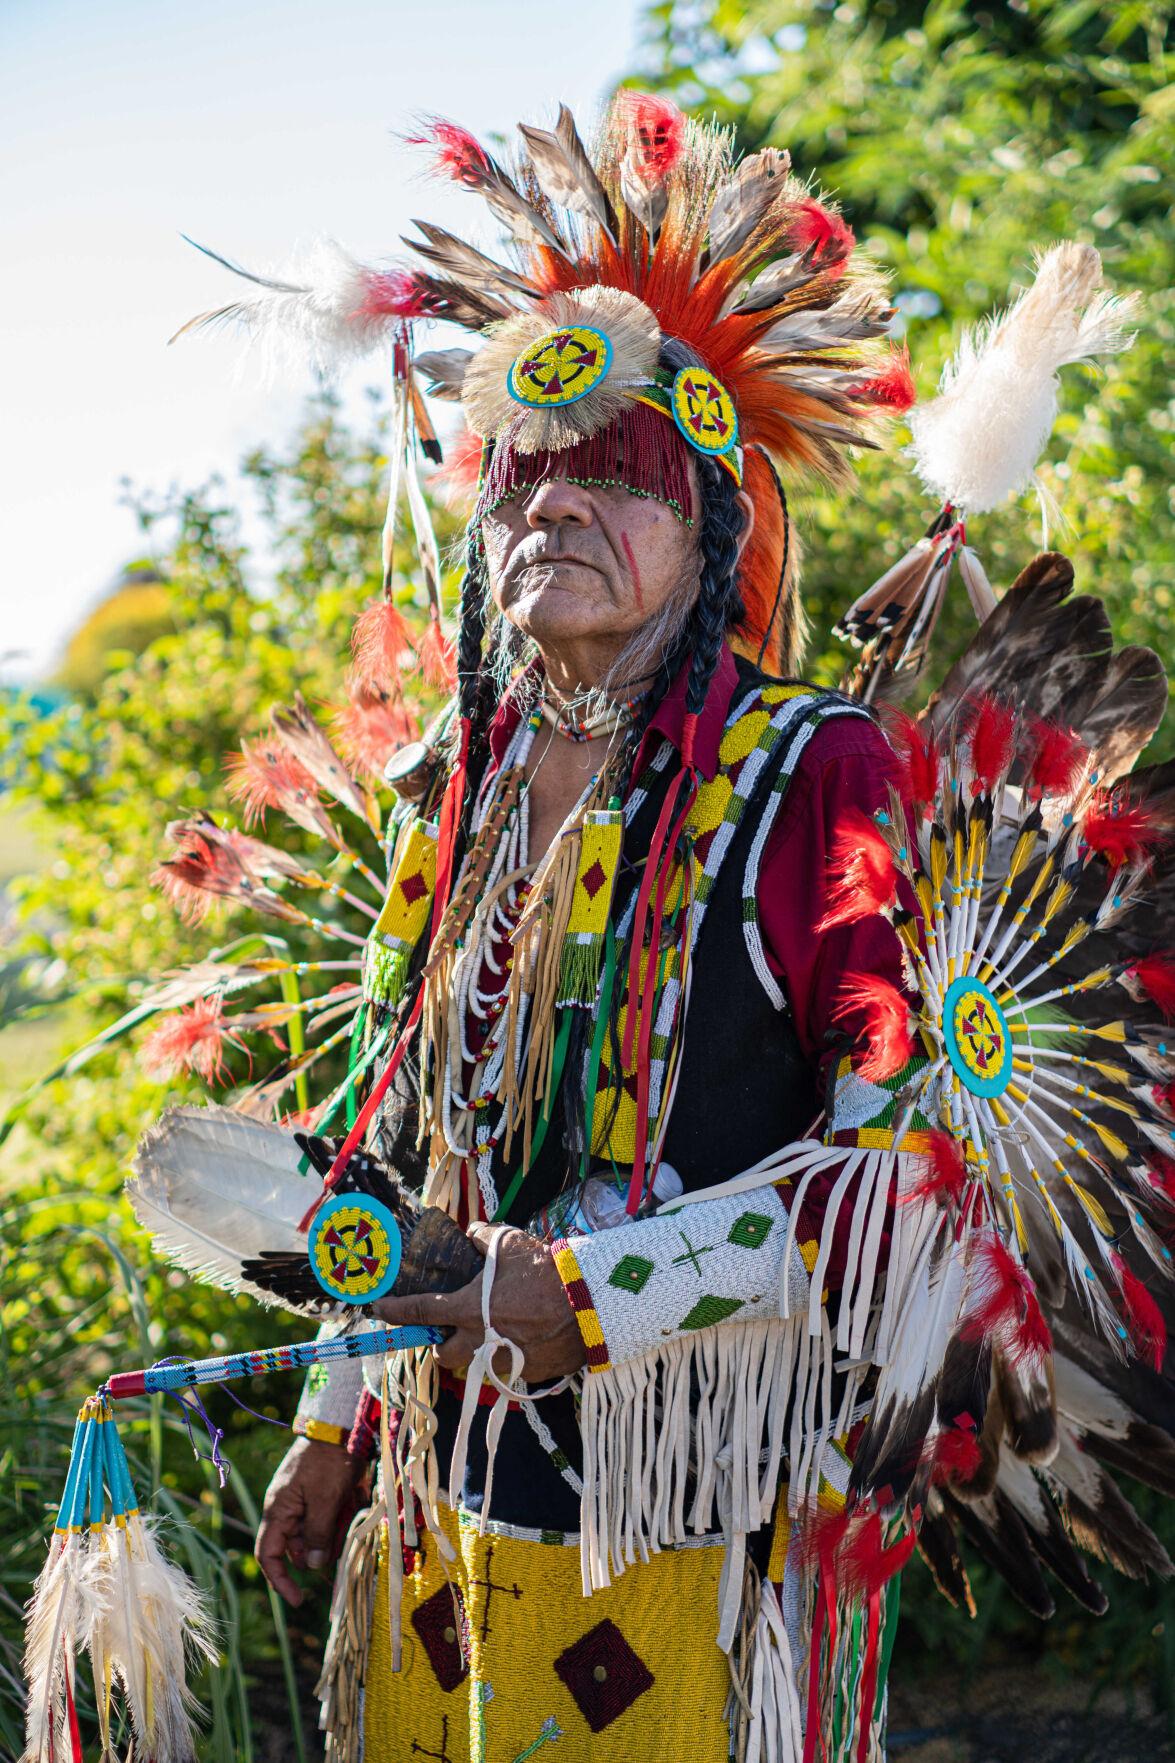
(528,1305)
(309,1502)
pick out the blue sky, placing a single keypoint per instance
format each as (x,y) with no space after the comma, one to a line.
(250,125)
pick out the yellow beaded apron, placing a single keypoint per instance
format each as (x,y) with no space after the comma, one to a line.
(631,1672)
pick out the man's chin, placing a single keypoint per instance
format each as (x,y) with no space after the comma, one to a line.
(559,601)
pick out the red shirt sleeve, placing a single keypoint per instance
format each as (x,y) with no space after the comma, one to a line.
(847,764)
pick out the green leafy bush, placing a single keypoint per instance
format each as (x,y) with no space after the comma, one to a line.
(960,138)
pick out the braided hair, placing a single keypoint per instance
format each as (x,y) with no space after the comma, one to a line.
(717,607)
(476,697)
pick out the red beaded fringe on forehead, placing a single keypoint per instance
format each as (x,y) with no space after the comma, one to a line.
(641,452)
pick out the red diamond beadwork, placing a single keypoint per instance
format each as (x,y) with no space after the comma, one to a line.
(413,887)
(604,1674)
(594,879)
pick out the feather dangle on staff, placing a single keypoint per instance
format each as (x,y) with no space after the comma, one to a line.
(108,1589)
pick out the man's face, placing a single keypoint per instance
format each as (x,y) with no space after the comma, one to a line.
(568,562)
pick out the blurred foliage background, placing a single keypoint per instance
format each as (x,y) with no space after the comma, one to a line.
(958,137)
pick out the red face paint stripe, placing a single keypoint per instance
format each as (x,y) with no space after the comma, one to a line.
(635,573)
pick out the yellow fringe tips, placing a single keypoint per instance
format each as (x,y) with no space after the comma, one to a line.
(591,905)
(403,916)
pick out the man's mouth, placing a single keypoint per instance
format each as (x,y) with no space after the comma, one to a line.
(549,562)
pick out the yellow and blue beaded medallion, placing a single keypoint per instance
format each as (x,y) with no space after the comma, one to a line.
(978,1039)
(704,411)
(560,368)
(354,1248)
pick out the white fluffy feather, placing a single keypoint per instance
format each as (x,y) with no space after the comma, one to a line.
(215,1187)
(157,1625)
(317,306)
(111,1592)
(979,440)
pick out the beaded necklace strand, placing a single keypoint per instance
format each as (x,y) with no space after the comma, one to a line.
(562,718)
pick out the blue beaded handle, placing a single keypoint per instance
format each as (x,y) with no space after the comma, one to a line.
(185,1374)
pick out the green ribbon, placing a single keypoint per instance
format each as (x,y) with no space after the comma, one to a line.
(603,1011)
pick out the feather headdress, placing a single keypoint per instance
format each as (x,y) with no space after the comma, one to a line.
(654,232)
(635,341)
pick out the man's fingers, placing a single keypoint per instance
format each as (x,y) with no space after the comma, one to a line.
(440,1309)
(456,1353)
(274,1540)
(318,1533)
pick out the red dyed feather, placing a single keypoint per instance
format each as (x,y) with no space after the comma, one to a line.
(255,857)
(1161,1175)
(850,1551)
(267,776)
(946,1172)
(1155,976)
(992,733)
(656,133)
(956,1457)
(1142,1316)
(918,755)
(191,1040)
(893,387)
(438,658)
(1002,1304)
(1120,830)
(210,864)
(302,1119)
(458,478)
(379,640)
(1164,1096)
(882,1015)
(458,153)
(1058,758)
(831,234)
(397,293)
(862,877)
(181,881)
(370,727)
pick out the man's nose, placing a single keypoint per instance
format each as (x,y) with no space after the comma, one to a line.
(558,503)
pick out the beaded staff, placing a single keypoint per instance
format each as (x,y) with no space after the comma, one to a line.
(107,1587)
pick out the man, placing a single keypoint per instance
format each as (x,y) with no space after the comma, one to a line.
(787,1123)
(558,563)
(609,573)
(713,1030)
